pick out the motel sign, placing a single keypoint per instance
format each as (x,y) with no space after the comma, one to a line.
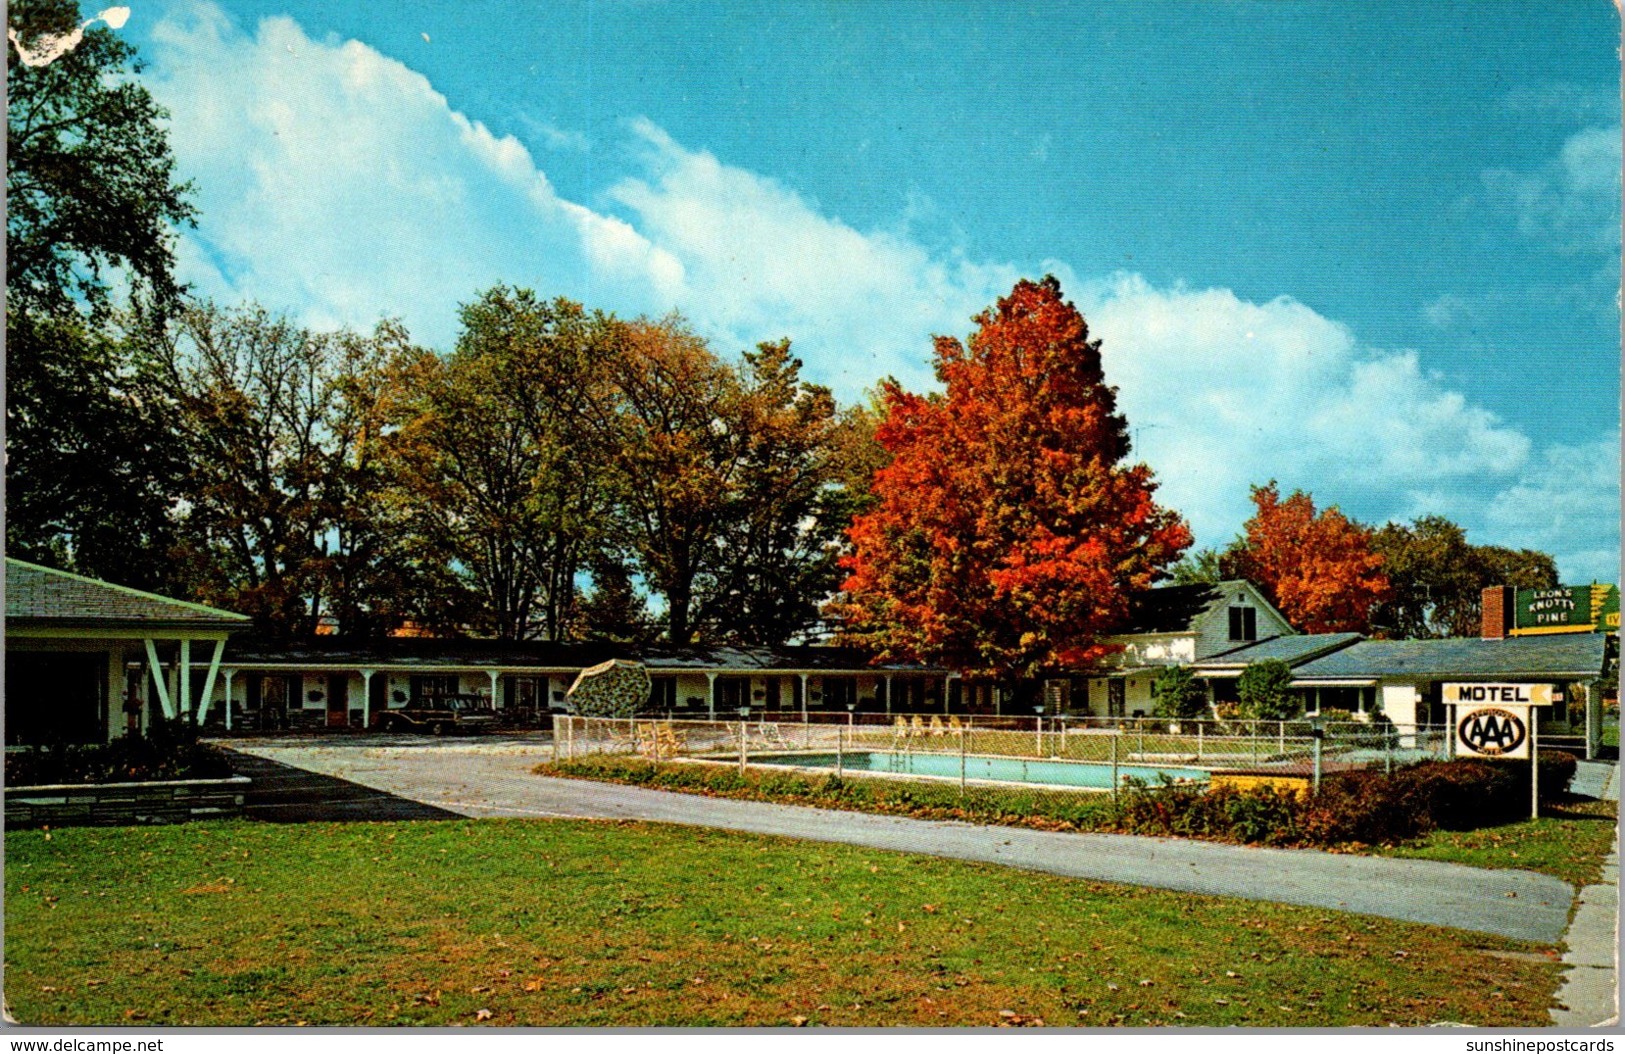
(1494,720)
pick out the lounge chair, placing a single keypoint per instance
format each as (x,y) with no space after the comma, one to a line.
(668,743)
(954,724)
(937,727)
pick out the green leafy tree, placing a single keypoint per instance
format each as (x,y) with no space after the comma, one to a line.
(727,492)
(670,418)
(783,534)
(614,609)
(1178,694)
(92,204)
(1266,693)
(284,509)
(499,465)
(1438,578)
(1201,568)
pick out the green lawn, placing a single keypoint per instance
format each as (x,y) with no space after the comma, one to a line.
(1569,841)
(510,922)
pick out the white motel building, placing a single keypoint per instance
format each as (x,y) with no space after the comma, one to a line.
(80,651)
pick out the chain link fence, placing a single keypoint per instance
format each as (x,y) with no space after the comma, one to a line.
(1060,755)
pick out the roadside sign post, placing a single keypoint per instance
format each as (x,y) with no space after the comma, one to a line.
(1534,769)
(1498,721)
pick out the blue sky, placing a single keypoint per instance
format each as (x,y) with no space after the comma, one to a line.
(1370,251)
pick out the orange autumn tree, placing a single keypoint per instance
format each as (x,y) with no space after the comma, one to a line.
(1007,533)
(1320,569)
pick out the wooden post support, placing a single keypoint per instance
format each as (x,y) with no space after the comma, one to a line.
(1534,764)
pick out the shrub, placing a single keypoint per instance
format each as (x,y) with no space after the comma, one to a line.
(1178,694)
(1557,768)
(170,751)
(1266,691)
(1364,806)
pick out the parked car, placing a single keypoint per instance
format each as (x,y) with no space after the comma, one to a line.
(439,716)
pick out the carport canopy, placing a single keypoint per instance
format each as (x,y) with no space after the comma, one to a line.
(55,620)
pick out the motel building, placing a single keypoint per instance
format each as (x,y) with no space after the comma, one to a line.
(336,683)
(79,650)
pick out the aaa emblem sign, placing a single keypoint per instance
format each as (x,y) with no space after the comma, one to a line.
(1491,732)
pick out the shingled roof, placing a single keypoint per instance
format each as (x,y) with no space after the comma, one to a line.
(1292,650)
(43,596)
(427,653)
(1558,655)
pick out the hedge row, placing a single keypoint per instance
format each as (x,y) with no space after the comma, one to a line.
(1359,807)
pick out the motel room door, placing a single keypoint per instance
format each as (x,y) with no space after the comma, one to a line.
(338,700)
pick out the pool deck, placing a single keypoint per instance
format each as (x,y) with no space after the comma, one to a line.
(492,778)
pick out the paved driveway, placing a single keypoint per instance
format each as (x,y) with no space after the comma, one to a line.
(491,777)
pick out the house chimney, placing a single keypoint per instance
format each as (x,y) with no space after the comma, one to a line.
(1496,604)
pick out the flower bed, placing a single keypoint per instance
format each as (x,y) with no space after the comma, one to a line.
(165,778)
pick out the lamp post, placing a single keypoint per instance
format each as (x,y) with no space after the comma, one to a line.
(744,714)
(1039,750)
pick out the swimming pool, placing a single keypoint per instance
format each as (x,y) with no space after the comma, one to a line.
(1079,774)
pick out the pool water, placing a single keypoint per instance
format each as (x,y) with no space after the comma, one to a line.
(1083,774)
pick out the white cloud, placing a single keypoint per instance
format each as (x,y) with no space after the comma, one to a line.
(760,261)
(1566,503)
(335,182)
(1571,202)
(554,137)
(1446,310)
(1225,393)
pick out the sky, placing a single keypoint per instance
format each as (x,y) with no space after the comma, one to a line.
(1369,251)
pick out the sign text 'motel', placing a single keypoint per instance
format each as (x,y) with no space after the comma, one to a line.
(1526,694)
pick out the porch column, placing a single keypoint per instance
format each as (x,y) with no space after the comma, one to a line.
(711,696)
(185,691)
(155,670)
(1593,720)
(803,698)
(208,680)
(495,676)
(366,698)
(888,695)
(230,676)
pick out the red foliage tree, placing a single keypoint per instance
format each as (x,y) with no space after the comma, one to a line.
(1006,535)
(1321,569)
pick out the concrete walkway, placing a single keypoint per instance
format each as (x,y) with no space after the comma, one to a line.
(485,778)
(1589,994)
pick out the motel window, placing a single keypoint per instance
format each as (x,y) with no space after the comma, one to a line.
(839,692)
(662,693)
(1243,623)
(433,686)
